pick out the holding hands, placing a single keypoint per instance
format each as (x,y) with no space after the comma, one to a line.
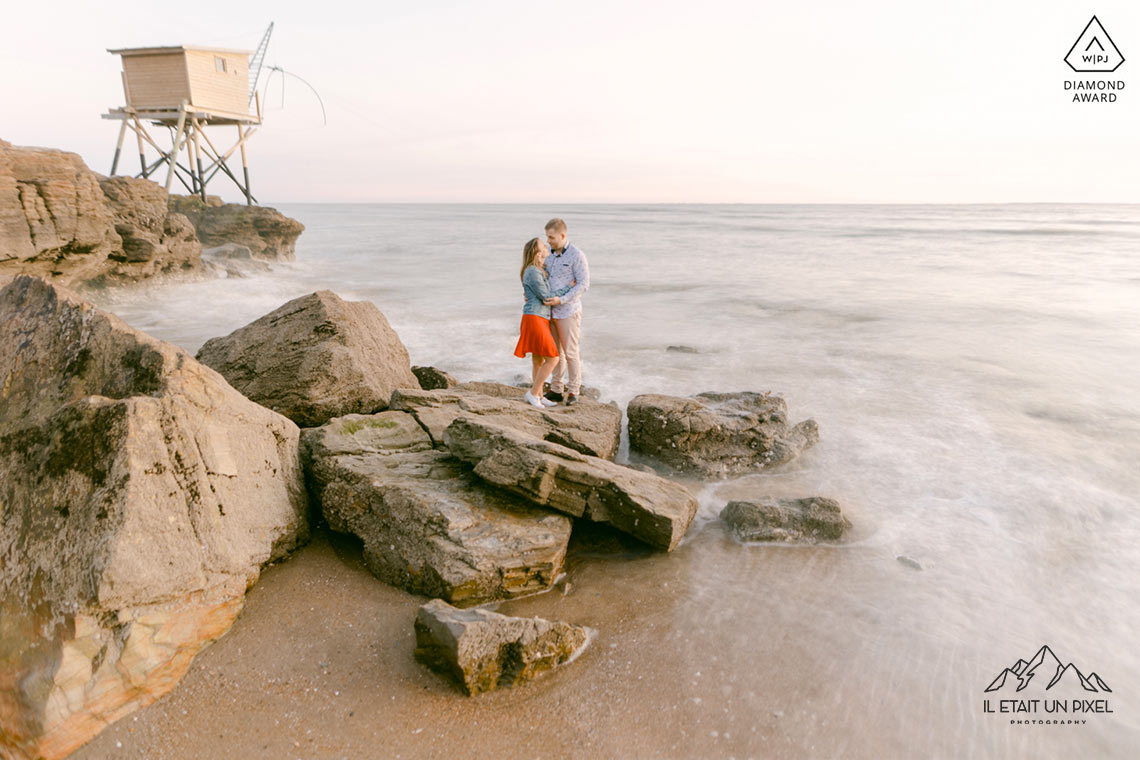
(555,300)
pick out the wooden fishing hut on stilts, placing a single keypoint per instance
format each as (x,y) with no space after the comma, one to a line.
(186,89)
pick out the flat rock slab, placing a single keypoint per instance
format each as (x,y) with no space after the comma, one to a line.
(717,434)
(141,495)
(587,427)
(315,358)
(483,650)
(427,524)
(790,520)
(648,507)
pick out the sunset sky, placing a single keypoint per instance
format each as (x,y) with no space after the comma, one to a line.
(621,101)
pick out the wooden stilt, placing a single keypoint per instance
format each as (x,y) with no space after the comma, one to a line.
(156,163)
(123,127)
(245,170)
(174,148)
(186,126)
(142,153)
(219,161)
(192,159)
(161,150)
(244,162)
(222,157)
(198,160)
(188,185)
(119,147)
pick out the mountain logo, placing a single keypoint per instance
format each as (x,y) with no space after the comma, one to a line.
(1045,670)
(1094,50)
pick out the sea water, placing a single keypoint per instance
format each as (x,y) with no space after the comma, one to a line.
(974,374)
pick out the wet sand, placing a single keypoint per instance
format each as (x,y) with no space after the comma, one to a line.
(716,650)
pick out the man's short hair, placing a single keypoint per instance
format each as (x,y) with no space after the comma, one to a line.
(555,224)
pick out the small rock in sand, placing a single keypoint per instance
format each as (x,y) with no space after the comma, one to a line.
(483,650)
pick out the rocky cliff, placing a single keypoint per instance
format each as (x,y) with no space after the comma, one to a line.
(54,218)
(62,221)
(266,232)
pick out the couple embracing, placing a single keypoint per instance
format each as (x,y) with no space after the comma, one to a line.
(554,277)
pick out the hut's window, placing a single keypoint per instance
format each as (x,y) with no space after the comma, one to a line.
(220,64)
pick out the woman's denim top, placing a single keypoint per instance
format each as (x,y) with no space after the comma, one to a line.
(537,289)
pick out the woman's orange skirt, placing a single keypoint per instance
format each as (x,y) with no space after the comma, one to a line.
(535,337)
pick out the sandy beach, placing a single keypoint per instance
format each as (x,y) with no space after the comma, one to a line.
(319,665)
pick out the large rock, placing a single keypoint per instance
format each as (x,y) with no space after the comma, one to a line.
(427,525)
(315,358)
(789,520)
(483,650)
(54,220)
(717,434)
(140,495)
(154,240)
(588,427)
(268,233)
(646,506)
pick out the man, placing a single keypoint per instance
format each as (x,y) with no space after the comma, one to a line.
(566,264)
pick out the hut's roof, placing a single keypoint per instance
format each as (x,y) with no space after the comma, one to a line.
(175,49)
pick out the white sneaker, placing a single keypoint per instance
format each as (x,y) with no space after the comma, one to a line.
(530,399)
(547,402)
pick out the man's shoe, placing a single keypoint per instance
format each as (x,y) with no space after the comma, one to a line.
(571,399)
(554,396)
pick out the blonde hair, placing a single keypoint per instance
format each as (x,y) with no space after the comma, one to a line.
(555,224)
(530,250)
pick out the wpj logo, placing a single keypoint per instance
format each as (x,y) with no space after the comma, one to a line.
(1094,50)
(1043,673)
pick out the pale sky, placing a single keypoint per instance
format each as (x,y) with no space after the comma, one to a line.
(695,101)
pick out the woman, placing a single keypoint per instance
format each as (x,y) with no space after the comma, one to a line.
(535,337)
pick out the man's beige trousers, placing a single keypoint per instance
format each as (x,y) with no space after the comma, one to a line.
(566,333)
